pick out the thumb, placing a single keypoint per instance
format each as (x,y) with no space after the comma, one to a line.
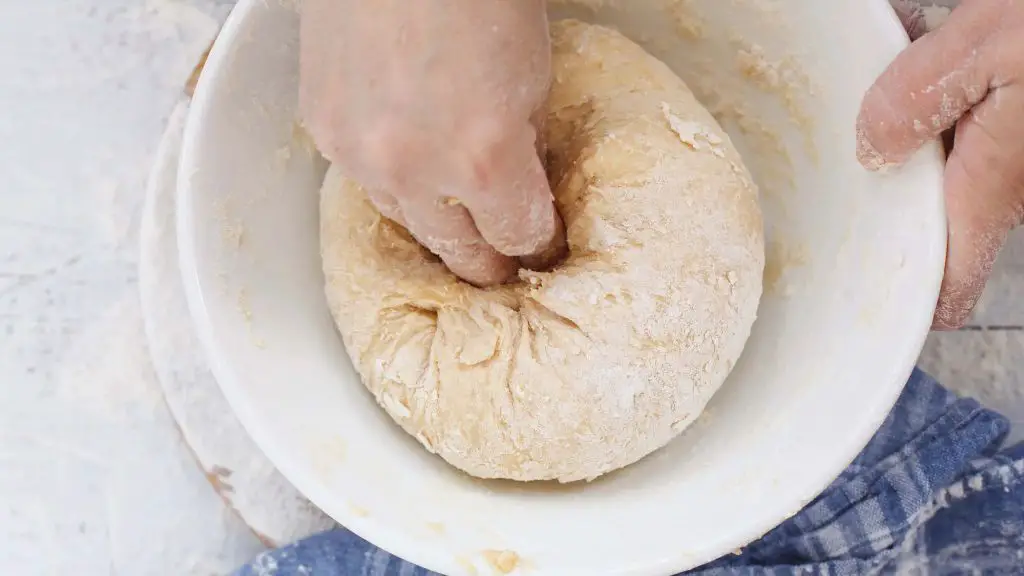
(511,201)
(928,87)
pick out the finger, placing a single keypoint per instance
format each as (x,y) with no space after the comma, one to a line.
(387,205)
(508,195)
(446,229)
(928,87)
(984,199)
(912,16)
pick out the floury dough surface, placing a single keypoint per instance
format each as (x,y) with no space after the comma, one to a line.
(574,373)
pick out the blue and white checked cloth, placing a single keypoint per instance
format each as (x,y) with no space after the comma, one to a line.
(930,495)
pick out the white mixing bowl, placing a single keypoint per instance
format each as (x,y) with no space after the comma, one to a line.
(854,266)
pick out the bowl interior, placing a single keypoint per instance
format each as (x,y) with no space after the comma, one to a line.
(854,265)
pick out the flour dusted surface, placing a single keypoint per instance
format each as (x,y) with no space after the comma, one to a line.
(576,372)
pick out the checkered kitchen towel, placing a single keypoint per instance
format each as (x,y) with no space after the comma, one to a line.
(930,495)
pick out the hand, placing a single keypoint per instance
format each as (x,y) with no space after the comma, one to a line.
(967,75)
(428,105)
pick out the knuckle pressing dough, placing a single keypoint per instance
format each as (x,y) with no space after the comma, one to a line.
(582,370)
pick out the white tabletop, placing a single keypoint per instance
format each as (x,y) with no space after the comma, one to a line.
(94,478)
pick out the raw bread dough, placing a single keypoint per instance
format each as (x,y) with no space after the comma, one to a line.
(570,374)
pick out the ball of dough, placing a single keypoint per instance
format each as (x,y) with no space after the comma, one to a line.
(576,372)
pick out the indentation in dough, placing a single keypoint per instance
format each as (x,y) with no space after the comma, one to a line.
(586,368)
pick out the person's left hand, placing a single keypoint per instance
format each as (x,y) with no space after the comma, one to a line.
(967,75)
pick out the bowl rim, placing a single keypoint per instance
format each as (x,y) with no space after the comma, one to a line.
(375,531)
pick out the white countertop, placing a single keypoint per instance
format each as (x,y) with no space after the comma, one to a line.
(94,478)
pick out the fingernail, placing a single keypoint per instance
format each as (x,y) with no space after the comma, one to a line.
(939,325)
(912,16)
(868,155)
(951,314)
(551,256)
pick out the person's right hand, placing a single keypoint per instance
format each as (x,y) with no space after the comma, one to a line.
(428,105)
